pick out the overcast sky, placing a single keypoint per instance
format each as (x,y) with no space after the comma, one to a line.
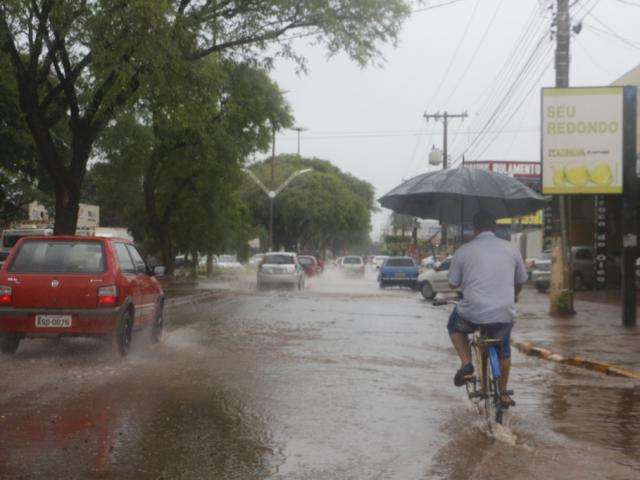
(486,57)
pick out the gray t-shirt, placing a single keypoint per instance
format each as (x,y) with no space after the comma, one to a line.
(486,269)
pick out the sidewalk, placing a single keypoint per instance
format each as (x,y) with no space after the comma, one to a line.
(595,332)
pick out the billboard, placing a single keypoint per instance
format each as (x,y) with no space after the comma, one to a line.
(582,140)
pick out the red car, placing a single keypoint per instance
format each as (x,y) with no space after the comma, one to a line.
(77,287)
(310,265)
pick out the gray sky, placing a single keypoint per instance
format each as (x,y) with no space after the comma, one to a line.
(462,57)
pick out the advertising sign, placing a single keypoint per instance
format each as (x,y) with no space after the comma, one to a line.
(88,215)
(582,140)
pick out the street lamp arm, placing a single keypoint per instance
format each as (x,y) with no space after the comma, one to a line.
(291,178)
(257,181)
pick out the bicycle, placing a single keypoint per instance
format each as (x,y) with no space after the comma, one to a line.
(485,385)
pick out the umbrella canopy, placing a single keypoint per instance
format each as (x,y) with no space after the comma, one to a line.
(456,195)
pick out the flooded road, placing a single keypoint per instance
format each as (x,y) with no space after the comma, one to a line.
(340,381)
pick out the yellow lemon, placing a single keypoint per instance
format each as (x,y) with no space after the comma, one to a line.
(558,177)
(601,174)
(577,175)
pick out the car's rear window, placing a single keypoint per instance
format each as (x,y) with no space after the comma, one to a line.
(352,261)
(306,260)
(400,262)
(278,260)
(46,256)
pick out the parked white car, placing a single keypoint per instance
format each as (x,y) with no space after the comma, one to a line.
(229,262)
(433,282)
(281,268)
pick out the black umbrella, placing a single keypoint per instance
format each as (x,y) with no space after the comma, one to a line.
(449,195)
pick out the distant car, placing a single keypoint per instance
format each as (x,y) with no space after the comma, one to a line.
(71,286)
(228,262)
(430,262)
(352,265)
(584,276)
(398,271)
(432,282)
(281,268)
(378,260)
(316,254)
(310,265)
(255,260)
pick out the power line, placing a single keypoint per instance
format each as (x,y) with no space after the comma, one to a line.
(510,92)
(433,7)
(501,81)
(475,52)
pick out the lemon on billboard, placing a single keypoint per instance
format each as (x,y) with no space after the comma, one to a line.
(582,140)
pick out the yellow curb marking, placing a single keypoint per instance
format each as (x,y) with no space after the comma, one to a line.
(600,367)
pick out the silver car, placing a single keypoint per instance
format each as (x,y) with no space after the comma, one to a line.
(281,269)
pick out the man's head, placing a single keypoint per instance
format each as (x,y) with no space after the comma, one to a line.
(484,222)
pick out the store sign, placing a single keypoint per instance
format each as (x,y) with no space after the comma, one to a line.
(600,244)
(582,140)
(532,219)
(521,170)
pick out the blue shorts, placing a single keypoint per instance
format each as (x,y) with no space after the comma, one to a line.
(493,330)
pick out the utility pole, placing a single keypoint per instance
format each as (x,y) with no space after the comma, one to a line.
(445,161)
(299,129)
(273,187)
(561,294)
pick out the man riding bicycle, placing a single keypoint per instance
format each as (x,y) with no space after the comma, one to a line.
(490,272)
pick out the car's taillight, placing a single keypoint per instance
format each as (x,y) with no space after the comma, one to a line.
(108,296)
(5,295)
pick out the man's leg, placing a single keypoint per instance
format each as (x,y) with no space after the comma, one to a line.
(458,330)
(461,344)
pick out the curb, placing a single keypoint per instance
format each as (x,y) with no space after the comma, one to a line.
(606,368)
(195,298)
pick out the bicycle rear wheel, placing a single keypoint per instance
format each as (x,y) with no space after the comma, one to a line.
(493,399)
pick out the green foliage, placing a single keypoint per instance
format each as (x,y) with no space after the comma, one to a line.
(173,162)
(91,61)
(325,208)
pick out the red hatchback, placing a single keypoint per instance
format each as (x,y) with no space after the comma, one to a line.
(77,287)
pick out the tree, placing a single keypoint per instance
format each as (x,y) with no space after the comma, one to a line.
(326,208)
(185,149)
(87,61)
(20,175)
(403,223)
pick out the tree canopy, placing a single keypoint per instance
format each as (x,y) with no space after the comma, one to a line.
(326,208)
(83,63)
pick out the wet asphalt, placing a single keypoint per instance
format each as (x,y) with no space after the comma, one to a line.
(340,381)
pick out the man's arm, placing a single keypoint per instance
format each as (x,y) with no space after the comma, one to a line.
(455,272)
(520,275)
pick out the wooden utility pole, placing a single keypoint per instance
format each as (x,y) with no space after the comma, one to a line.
(560,293)
(445,153)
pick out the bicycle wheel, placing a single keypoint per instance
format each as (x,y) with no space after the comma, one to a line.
(493,400)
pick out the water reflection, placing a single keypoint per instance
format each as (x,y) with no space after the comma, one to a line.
(601,411)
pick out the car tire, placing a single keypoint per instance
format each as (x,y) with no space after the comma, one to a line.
(124,333)
(158,325)
(427,291)
(382,284)
(9,343)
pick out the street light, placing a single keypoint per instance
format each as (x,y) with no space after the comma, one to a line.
(272,194)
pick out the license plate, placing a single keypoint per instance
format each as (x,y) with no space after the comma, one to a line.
(53,321)
(399,275)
